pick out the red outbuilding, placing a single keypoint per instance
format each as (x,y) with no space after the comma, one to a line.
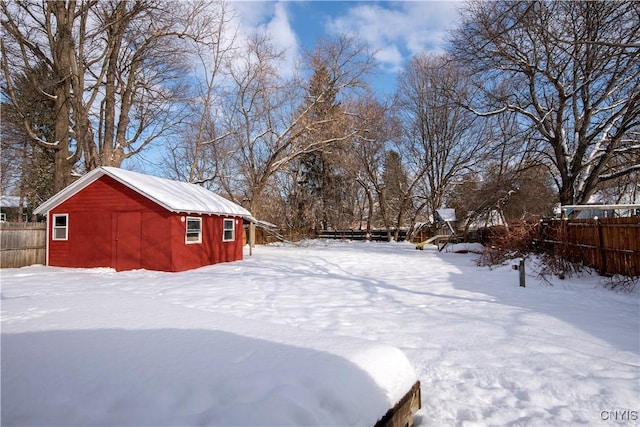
(115,218)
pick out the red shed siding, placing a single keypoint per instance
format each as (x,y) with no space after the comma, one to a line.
(156,235)
(111,225)
(212,250)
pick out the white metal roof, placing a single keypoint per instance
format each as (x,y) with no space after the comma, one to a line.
(174,196)
(602,207)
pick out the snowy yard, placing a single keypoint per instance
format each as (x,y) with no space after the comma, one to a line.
(320,322)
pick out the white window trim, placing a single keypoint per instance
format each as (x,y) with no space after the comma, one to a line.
(54,228)
(186,230)
(233,229)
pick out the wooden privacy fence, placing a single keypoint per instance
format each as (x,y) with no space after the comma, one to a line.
(22,244)
(609,245)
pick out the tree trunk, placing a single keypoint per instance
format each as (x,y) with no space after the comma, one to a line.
(63,51)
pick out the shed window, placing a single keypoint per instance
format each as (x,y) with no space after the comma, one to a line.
(229,230)
(194,230)
(61,227)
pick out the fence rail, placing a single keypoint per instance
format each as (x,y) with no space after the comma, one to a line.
(373,235)
(609,245)
(22,244)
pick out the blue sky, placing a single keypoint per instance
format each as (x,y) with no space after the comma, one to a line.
(395,30)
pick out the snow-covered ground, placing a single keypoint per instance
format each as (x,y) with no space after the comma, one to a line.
(308,335)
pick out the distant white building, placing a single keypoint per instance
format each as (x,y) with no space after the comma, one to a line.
(601,210)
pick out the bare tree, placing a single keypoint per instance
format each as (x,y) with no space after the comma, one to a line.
(396,198)
(197,153)
(139,71)
(41,34)
(117,72)
(624,188)
(376,127)
(443,140)
(512,179)
(574,75)
(513,193)
(269,116)
(254,99)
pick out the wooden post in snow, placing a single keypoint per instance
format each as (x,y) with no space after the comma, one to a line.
(252,237)
(600,252)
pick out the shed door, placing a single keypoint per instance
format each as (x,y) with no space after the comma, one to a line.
(128,241)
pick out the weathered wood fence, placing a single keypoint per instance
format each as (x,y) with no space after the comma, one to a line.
(22,244)
(374,235)
(609,245)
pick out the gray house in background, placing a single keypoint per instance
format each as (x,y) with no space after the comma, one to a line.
(10,209)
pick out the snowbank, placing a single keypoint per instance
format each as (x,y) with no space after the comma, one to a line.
(95,357)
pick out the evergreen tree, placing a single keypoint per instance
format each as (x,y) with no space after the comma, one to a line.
(316,195)
(28,166)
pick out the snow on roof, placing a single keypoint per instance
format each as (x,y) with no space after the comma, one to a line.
(174,196)
(492,218)
(447,214)
(265,224)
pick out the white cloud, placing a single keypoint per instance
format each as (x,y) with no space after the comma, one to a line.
(399,30)
(390,57)
(283,36)
(273,19)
